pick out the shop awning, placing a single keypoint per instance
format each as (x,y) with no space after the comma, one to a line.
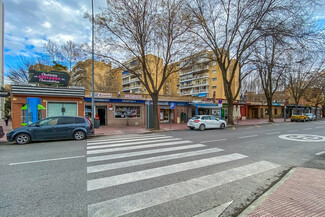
(202,105)
(40,107)
(24,107)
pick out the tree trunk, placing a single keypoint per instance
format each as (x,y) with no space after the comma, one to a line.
(230,113)
(269,107)
(155,111)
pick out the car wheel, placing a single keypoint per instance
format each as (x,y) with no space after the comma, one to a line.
(22,138)
(191,128)
(79,135)
(222,126)
(202,127)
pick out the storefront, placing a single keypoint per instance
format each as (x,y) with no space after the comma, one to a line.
(42,102)
(173,112)
(207,108)
(117,112)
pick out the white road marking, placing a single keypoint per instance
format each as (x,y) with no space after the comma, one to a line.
(128,140)
(242,137)
(159,171)
(320,153)
(131,143)
(139,153)
(117,137)
(217,140)
(142,200)
(319,127)
(215,212)
(46,160)
(111,166)
(272,133)
(308,129)
(292,130)
(137,147)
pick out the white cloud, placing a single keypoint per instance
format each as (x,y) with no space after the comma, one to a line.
(30,23)
(47,25)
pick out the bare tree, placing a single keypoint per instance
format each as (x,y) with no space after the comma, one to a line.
(315,94)
(302,74)
(267,58)
(52,49)
(152,33)
(18,73)
(230,28)
(70,52)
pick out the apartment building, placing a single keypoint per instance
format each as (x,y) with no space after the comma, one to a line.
(132,84)
(200,76)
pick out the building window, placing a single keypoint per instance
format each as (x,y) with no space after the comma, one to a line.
(214,71)
(214,87)
(275,111)
(214,79)
(62,109)
(127,112)
(266,112)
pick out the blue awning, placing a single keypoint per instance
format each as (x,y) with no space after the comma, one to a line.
(202,94)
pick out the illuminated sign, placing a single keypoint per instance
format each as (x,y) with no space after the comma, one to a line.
(49,78)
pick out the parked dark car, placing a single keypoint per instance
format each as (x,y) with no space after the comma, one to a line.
(1,132)
(53,128)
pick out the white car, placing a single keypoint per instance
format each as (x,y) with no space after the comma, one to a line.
(202,122)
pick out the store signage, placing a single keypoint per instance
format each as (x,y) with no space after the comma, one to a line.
(4,93)
(49,78)
(128,96)
(172,105)
(103,95)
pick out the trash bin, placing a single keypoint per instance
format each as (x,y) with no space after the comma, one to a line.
(97,122)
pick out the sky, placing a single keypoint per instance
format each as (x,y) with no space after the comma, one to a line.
(30,23)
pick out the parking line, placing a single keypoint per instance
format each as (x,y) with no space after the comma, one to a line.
(54,159)
(308,129)
(292,130)
(242,137)
(273,133)
(217,140)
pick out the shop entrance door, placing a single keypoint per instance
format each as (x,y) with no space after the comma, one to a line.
(101,111)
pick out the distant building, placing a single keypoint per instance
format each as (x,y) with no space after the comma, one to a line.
(105,78)
(201,76)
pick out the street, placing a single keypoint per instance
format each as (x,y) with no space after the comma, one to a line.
(175,173)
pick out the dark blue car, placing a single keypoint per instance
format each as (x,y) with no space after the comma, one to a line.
(53,128)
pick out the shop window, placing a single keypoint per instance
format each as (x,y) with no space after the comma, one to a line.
(214,79)
(275,111)
(127,112)
(214,87)
(62,109)
(266,112)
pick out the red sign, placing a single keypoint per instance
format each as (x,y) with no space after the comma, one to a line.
(110,106)
(220,101)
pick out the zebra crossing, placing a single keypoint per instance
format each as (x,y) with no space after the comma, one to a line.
(122,152)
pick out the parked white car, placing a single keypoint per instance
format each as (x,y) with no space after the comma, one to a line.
(202,122)
(311,116)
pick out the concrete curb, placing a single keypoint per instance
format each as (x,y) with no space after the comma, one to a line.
(264,196)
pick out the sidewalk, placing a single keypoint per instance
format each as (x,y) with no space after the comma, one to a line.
(6,129)
(258,121)
(300,193)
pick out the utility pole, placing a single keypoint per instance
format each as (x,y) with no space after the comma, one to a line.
(92,65)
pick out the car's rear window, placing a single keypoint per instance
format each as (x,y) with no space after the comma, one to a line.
(195,117)
(80,121)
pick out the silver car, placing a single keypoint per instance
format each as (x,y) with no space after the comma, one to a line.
(202,122)
(311,116)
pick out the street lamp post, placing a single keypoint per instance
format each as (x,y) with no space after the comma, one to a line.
(92,65)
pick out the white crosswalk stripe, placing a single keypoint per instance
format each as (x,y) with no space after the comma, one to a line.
(111,166)
(137,147)
(139,153)
(159,171)
(133,145)
(127,140)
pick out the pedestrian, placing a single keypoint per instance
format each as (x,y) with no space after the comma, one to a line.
(6,119)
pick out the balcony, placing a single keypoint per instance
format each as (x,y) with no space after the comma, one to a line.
(192,92)
(194,77)
(129,81)
(195,70)
(197,84)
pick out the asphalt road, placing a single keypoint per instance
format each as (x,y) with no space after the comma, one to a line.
(179,173)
